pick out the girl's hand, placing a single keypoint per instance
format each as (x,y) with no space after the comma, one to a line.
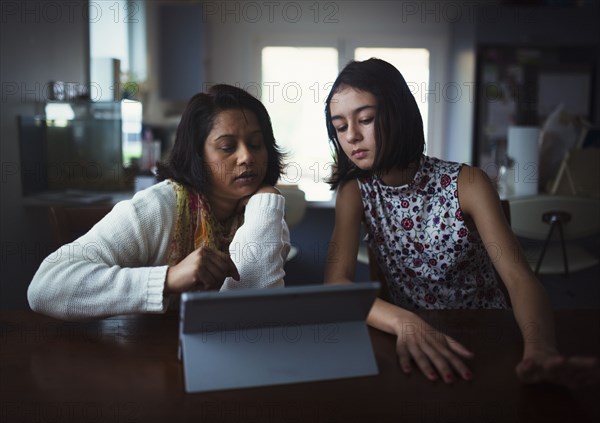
(436,355)
(204,268)
(549,366)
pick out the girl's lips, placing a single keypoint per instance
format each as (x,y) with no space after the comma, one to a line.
(359,154)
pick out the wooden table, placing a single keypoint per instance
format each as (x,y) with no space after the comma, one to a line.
(125,369)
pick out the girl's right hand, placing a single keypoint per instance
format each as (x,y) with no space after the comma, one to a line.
(435,354)
(204,268)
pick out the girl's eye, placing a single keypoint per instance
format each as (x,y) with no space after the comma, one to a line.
(341,128)
(366,121)
(228,148)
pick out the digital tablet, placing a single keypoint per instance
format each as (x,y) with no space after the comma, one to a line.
(257,337)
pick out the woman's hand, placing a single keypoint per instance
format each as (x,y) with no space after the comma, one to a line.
(435,354)
(204,268)
(268,189)
(550,366)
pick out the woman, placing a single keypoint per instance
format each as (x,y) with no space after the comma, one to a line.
(214,221)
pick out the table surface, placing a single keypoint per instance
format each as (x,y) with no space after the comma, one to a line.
(126,369)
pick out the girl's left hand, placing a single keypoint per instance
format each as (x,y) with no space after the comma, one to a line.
(552,367)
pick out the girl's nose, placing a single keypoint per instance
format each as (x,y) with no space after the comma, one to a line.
(352,134)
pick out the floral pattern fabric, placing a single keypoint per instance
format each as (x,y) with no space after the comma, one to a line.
(196,226)
(431,256)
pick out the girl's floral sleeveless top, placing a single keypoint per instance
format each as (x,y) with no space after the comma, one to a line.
(430,257)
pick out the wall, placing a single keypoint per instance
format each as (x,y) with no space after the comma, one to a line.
(49,41)
(40,42)
(454,28)
(539,26)
(236,31)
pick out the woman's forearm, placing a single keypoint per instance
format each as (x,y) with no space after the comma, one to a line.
(261,245)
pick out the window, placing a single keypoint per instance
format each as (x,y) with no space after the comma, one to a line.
(118,64)
(117,31)
(296,81)
(413,63)
(295,84)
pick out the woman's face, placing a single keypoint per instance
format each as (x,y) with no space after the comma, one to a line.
(235,155)
(353,117)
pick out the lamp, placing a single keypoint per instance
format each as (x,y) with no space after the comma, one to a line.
(520,176)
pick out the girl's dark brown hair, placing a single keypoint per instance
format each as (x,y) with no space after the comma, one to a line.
(399,134)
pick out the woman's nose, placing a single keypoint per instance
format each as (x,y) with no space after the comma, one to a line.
(245,155)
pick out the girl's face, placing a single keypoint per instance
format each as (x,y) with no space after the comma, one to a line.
(235,155)
(353,117)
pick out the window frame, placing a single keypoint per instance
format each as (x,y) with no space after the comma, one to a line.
(346,45)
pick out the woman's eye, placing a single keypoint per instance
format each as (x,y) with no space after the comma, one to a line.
(255,144)
(366,121)
(228,148)
(341,128)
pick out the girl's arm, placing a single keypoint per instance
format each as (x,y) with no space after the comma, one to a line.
(118,267)
(533,311)
(261,245)
(434,353)
(343,247)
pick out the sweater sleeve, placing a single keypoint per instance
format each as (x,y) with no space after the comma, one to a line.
(261,245)
(118,267)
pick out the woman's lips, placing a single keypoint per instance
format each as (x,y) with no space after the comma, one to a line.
(246,178)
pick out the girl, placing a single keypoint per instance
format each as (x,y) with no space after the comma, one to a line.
(432,225)
(196,229)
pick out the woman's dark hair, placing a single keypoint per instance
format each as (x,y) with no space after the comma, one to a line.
(398,125)
(186,160)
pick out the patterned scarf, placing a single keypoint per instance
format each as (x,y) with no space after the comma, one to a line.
(196,226)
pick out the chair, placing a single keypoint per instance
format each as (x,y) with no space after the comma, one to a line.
(578,174)
(539,217)
(69,223)
(366,256)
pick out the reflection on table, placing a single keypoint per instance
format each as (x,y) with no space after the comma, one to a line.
(125,369)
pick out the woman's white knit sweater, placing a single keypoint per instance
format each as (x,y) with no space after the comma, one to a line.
(120,265)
